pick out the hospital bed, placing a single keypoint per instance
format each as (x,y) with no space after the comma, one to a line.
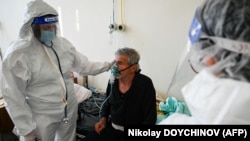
(89,106)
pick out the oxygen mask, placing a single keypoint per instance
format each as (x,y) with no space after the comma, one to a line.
(115,70)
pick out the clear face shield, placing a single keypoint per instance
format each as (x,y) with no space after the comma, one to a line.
(215,54)
(184,71)
(46,29)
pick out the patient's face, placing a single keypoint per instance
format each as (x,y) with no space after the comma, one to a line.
(122,64)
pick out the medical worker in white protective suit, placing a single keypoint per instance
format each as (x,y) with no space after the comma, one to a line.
(220,54)
(38,87)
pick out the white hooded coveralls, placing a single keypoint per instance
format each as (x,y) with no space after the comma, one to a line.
(213,100)
(32,87)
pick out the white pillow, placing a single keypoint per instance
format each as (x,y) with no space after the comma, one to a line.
(82,93)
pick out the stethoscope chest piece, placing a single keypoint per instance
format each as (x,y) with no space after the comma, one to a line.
(65,120)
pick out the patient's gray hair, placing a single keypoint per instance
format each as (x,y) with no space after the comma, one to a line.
(132,54)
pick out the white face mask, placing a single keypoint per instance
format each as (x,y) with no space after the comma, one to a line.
(47,36)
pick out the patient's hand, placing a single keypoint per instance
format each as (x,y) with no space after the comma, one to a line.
(99,126)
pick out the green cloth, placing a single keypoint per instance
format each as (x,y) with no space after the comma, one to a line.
(170,106)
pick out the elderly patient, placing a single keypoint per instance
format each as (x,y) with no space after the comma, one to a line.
(220,54)
(131,99)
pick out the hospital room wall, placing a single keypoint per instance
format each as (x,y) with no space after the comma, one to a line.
(156,28)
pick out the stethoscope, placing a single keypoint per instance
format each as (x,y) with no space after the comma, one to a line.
(65,119)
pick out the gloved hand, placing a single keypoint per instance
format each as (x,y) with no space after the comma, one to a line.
(28,137)
(111,63)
